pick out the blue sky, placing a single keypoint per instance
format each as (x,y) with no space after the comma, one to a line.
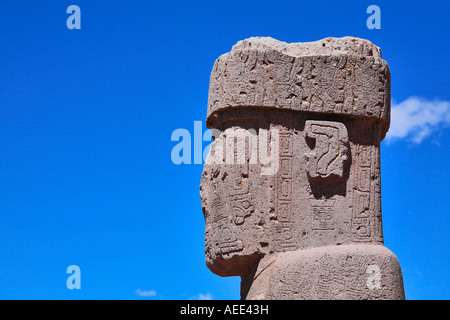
(86,117)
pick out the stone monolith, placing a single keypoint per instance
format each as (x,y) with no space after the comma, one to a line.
(291,189)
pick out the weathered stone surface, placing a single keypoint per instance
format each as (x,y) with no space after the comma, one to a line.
(318,111)
(334,76)
(350,272)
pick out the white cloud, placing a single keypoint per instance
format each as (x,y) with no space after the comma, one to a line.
(145,293)
(206,296)
(416,119)
(201,296)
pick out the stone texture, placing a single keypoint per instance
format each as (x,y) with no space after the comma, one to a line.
(335,272)
(334,76)
(312,228)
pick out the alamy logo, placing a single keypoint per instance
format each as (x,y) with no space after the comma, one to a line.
(374,280)
(233,146)
(374,20)
(74,20)
(74,280)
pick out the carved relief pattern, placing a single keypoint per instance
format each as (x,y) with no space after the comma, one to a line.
(330,151)
(366,219)
(222,237)
(322,214)
(239,195)
(355,84)
(283,231)
(226,200)
(331,278)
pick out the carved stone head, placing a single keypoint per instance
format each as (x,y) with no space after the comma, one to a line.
(295,160)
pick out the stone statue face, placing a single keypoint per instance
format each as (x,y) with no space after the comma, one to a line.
(305,202)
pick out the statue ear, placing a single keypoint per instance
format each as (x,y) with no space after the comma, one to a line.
(328,141)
